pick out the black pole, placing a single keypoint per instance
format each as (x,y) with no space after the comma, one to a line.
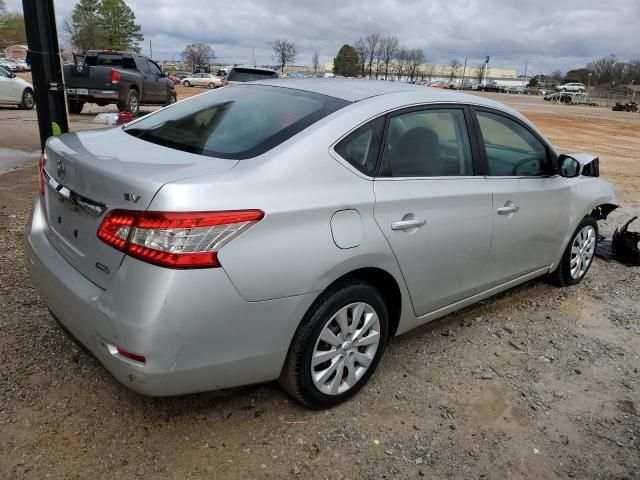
(46,67)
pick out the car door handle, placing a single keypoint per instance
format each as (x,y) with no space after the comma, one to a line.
(407,224)
(508,209)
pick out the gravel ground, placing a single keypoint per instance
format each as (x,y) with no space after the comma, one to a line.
(538,382)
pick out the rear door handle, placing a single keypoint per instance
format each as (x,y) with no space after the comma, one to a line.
(508,208)
(407,224)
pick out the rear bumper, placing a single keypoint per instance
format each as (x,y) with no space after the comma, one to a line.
(111,95)
(192,326)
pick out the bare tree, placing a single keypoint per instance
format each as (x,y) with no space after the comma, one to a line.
(378,58)
(480,71)
(389,48)
(315,60)
(429,71)
(197,54)
(402,59)
(415,59)
(285,52)
(361,49)
(604,68)
(371,42)
(454,65)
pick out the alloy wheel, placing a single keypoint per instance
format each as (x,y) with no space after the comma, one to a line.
(582,251)
(345,348)
(27,99)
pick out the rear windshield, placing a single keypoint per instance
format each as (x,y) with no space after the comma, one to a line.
(110,60)
(249,74)
(237,122)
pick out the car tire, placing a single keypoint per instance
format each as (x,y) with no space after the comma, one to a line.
(75,106)
(172,99)
(132,104)
(186,83)
(578,256)
(342,317)
(28,99)
(212,85)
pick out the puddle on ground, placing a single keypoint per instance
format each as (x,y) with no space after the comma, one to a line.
(11,158)
(493,409)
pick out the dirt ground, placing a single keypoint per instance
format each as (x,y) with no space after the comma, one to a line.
(538,382)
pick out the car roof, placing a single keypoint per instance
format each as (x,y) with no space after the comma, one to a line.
(355,90)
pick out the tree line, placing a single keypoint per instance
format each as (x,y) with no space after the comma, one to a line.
(12,31)
(377,56)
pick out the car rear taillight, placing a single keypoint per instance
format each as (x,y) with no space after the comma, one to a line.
(225,83)
(176,240)
(41,163)
(115,77)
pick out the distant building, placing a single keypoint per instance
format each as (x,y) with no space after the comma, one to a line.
(16,52)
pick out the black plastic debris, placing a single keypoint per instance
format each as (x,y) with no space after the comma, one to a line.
(621,246)
(625,245)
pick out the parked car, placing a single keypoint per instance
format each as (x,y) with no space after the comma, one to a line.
(571,87)
(561,97)
(126,79)
(15,90)
(183,75)
(174,79)
(240,74)
(22,63)
(489,87)
(202,80)
(9,65)
(515,89)
(260,232)
(440,84)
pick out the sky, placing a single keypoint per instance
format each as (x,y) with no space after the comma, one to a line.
(541,35)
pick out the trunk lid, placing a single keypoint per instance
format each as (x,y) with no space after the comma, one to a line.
(90,173)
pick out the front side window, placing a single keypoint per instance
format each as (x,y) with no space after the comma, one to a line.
(511,149)
(427,143)
(360,148)
(237,123)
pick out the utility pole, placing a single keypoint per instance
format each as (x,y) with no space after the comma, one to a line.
(150,50)
(486,64)
(526,67)
(464,69)
(46,68)
(253,55)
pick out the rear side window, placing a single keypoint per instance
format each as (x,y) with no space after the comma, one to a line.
(360,148)
(249,74)
(427,143)
(511,149)
(236,122)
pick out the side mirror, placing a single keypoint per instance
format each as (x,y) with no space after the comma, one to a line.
(568,166)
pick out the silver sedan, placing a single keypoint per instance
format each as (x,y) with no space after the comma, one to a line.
(287,229)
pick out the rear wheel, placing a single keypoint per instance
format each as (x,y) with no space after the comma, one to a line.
(186,83)
(338,345)
(578,256)
(172,99)
(28,100)
(75,106)
(132,104)
(212,85)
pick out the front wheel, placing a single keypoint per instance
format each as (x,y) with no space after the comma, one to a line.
(28,100)
(172,99)
(338,345)
(186,83)
(578,256)
(75,106)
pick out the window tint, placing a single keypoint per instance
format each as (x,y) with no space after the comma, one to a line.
(155,69)
(511,148)
(249,74)
(143,65)
(360,148)
(428,143)
(238,123)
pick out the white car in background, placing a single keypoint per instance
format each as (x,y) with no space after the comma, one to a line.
(15,91)
(202,80)
(571,87)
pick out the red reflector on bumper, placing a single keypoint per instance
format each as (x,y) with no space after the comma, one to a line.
(132,356)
